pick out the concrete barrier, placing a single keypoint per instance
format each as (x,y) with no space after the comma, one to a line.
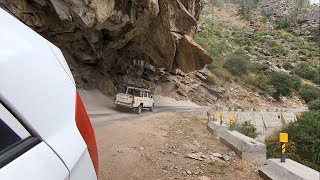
(216,129)
(246,147)
(290,170)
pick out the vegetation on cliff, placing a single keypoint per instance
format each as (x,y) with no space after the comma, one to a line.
(267,55)
(271,61)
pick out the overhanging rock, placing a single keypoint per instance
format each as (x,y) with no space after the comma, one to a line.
(191,56)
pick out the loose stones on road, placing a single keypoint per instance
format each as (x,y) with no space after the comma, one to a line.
(204,178)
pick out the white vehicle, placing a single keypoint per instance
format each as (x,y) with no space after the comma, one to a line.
(135,98)
(45,132)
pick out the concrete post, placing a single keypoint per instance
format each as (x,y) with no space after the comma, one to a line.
(214,114)
(221,117)
(231,122)
(283,138)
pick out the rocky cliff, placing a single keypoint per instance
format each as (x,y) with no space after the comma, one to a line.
(303,17)
(103,40)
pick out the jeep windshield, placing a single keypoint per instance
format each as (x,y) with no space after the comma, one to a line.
(133,91)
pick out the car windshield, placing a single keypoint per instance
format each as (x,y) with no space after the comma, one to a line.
(134,92)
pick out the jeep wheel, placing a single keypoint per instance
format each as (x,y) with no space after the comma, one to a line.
(152,108)
(139,109)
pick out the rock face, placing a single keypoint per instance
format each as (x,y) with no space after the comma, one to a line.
(102,39)
(304,18)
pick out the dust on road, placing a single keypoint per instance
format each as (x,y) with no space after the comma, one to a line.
(156,146)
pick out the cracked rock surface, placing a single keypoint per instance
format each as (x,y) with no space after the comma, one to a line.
(102,39)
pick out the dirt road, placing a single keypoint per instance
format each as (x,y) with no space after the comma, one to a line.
(103,112)
(155,146)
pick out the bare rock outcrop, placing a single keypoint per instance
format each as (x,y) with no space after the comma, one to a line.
(103,38)
(304,18)
(190,55)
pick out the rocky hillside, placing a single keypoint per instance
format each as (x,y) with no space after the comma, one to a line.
(300,16)
(259,53)
(104,40)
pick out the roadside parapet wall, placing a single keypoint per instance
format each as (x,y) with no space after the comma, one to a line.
(255,152)
(246,147)
(216,129)
(266,122)
(290,170)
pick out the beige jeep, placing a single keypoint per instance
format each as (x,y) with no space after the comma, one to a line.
(135,98)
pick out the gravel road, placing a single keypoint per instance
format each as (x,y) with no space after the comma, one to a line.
(102,111)
(155,145)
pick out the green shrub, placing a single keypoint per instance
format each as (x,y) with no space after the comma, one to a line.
(303,58)
(212,80)
(287,66)
(244,12)
(223,74)
(314,105)
(248,48)
(316,79)
(303,52)
(304,140)
(309,93)
(260,36)
(237,40)
(241,41)
(305,71)
(211,39)
(217,3)
(284,35)
(282,23)
(246,7)
(283,83)
(296,83)
(258,67)
(278,49)
(247,128)
(216,67)
(237,63)
(260,81)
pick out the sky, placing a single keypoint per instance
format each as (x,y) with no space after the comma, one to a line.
(314,1)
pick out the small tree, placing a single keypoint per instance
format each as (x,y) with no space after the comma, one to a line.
(283,83)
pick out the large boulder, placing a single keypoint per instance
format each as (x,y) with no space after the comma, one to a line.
(190,56)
